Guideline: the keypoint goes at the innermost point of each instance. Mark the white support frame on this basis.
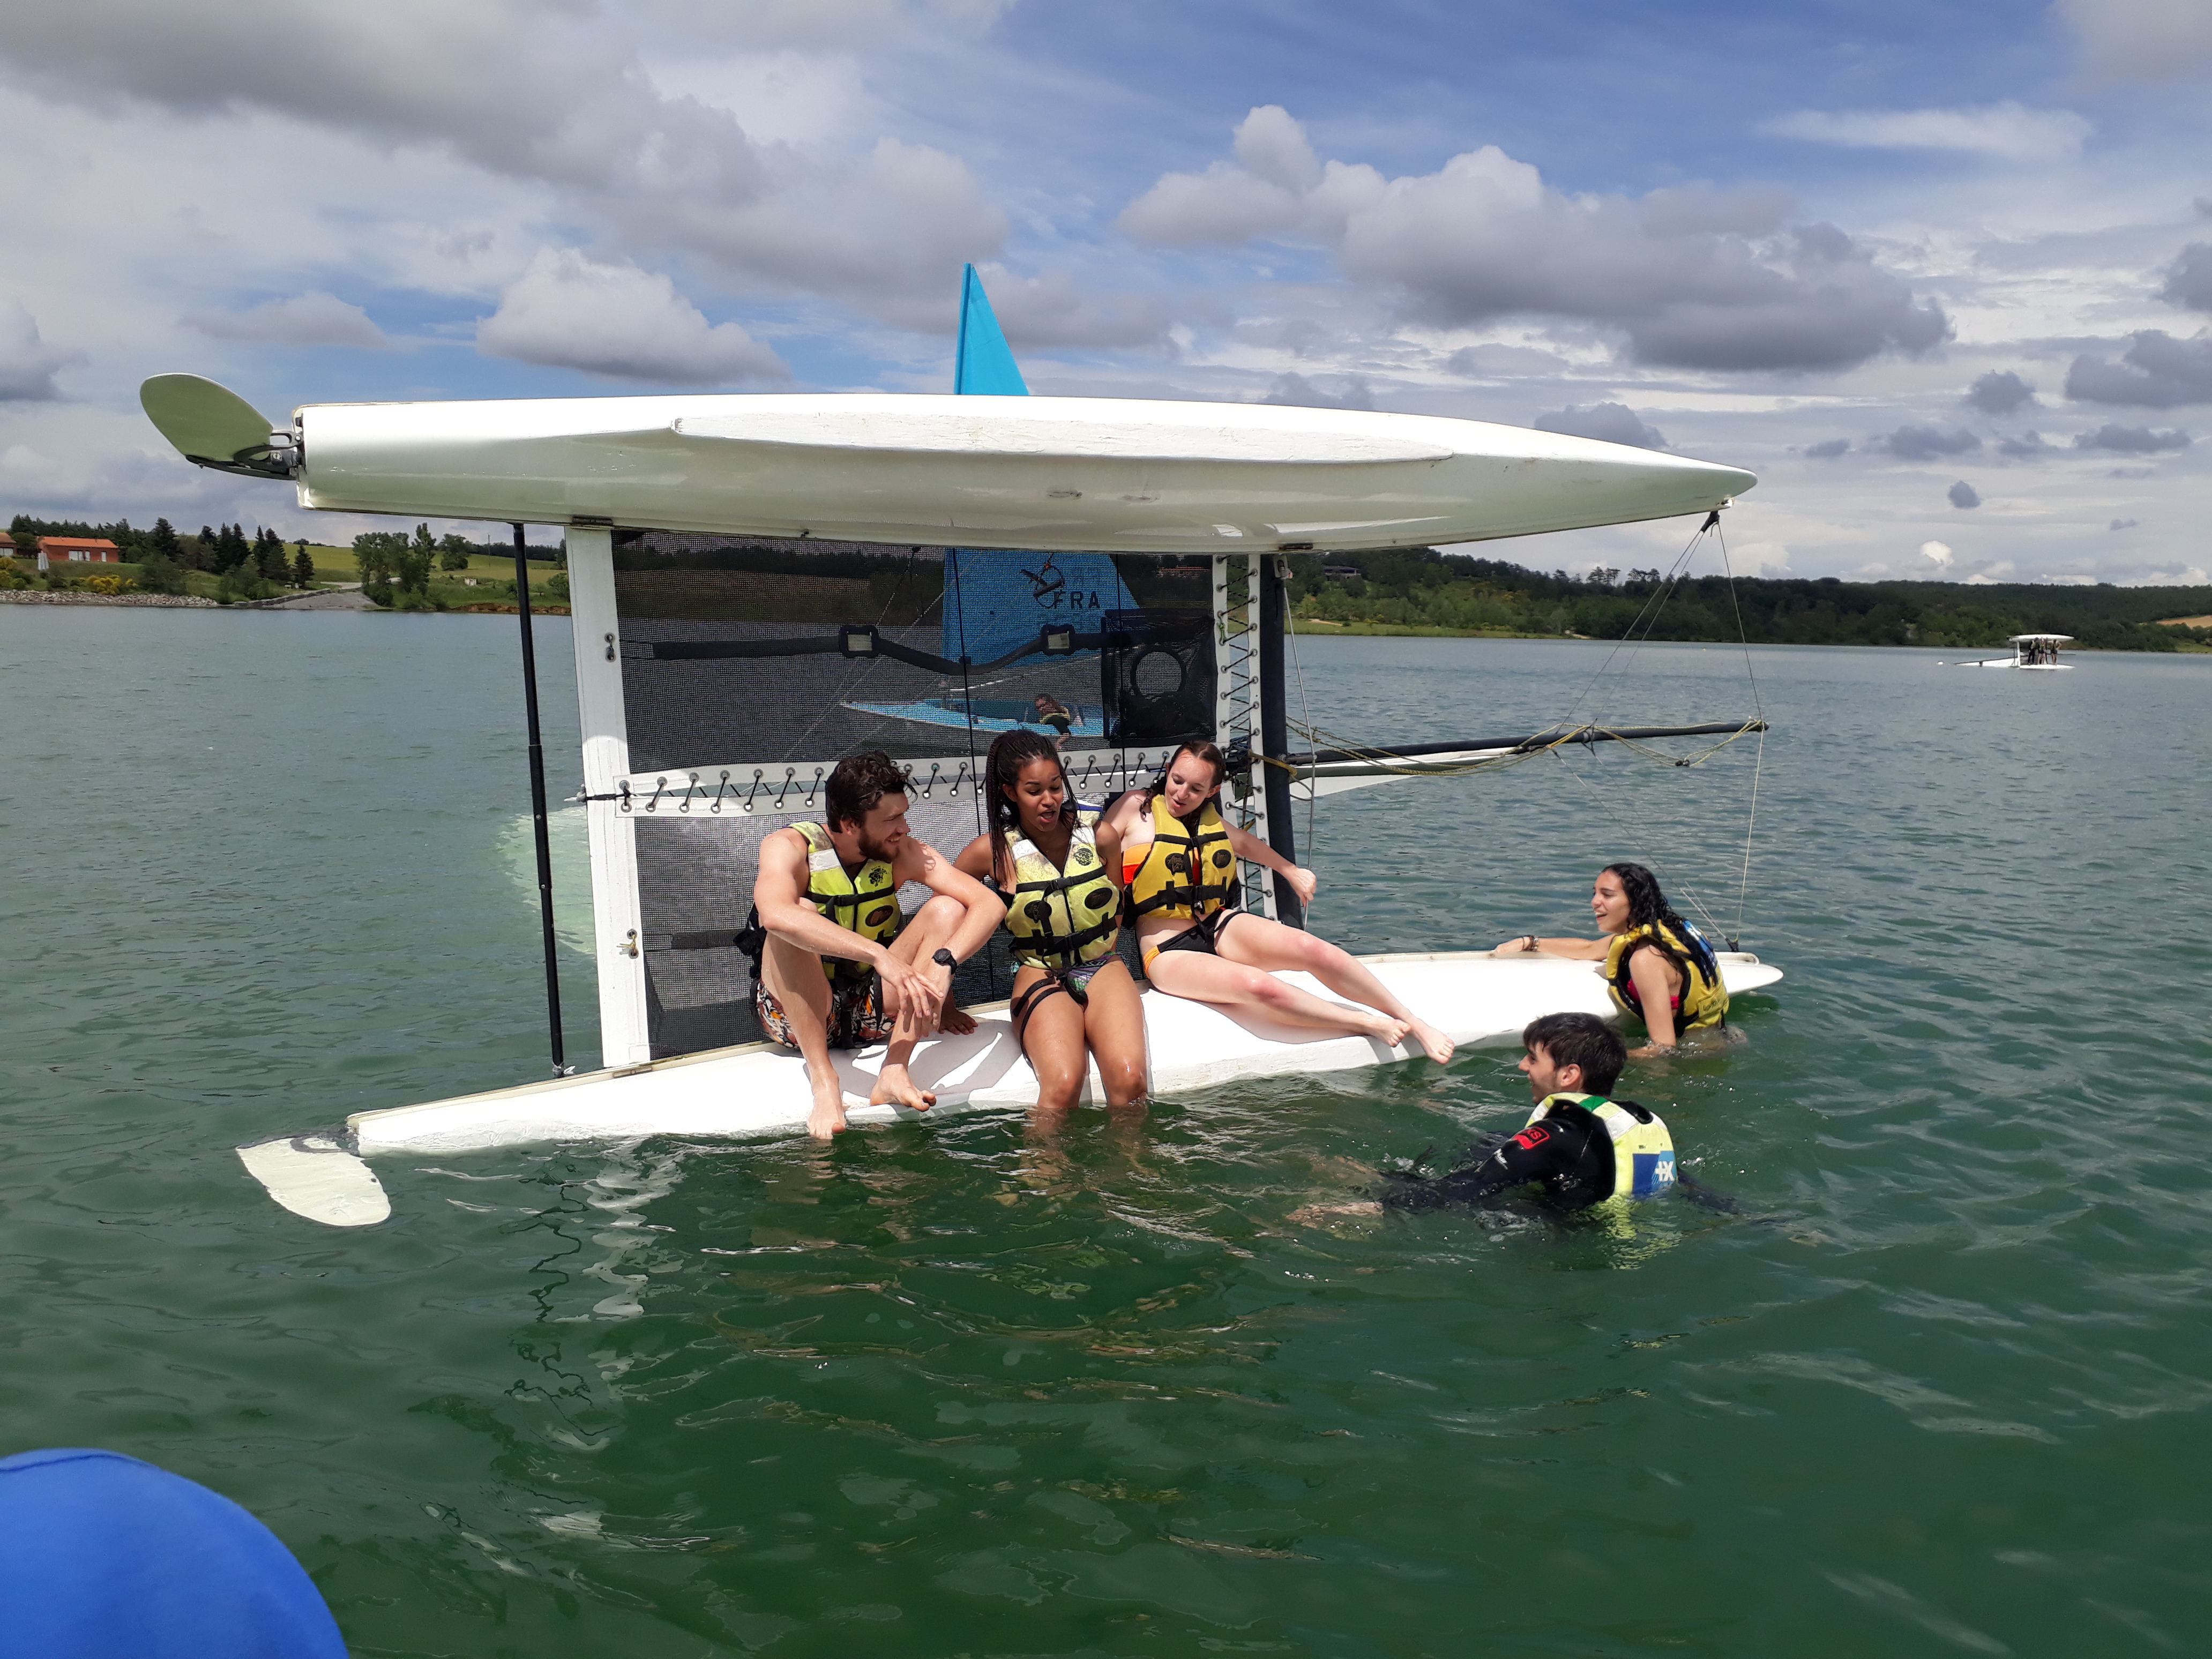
(1237, 707)
(617, 918)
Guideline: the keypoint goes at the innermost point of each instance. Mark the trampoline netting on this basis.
(749, 668)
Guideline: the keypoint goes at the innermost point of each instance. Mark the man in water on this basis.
(838, 966)
(1581, 1148)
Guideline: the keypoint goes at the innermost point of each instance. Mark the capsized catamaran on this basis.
(704, 732)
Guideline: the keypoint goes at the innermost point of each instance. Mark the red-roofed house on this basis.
(76, 550)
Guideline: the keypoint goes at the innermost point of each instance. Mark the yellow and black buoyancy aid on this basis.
(1643, 1151)
(1185, 873)
(1703, 1000)
(864, 902)
(1063, 916)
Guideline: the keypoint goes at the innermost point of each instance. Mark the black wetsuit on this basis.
(1570, 1153)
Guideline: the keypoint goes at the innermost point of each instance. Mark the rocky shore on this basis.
(171, 601)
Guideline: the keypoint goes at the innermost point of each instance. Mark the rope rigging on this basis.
(1555, 741)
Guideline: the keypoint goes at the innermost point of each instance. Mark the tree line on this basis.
(1424, 588)
(253, 566)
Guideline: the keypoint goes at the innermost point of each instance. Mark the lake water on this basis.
(1941, 1385)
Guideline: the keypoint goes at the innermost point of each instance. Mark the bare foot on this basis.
(1440, 1048)
(954, 1020)
(827, 1117)
(1392, 1032)
(895, 1088)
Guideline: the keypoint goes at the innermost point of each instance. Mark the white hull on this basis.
(1050, 474)
(758, 1090)
(2025, 667)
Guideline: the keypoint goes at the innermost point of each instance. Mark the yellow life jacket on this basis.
(1643, 1153)
(865, 901)
(1702, 1002)
(1060, 915)
(1185, 872)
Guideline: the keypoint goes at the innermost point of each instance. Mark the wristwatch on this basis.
(942, 957)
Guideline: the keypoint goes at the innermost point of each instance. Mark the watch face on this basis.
(942, 957)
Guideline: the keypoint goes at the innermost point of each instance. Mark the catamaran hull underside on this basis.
(1050, 474)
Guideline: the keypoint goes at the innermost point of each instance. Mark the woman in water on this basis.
(1657, 966)
(1054, 863)
(1179, 863)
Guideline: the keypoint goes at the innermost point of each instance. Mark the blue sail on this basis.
(995, 601)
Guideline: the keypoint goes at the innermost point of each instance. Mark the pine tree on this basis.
(303, 567)
(162, 538)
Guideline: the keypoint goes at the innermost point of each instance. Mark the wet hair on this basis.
(1203, 750)
(1012, 752)
(1582, 1040)
(1647, 904)
(858, 782)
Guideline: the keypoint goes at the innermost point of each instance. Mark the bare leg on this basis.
(1052, 1036)
(932, 926)
(794, 978)
(1113, 1025)
(1259, 943)
(1234, 985)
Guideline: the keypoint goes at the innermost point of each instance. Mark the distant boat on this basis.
(2029, 651)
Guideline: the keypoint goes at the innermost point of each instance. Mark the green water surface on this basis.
(947, 1388)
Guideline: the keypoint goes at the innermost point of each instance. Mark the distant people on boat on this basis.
(1579, 1146)
(1657, 967)
(1050, 711)
(1055, 863)
(1179, 863)
(837, 967)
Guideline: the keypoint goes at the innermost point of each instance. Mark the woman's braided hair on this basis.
(1011, 755)
(1647, 905)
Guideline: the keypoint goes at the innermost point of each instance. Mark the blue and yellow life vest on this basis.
(863, 902)
(1185, 871)
(1061, 916)
(1643, 1151)
(1704, 999)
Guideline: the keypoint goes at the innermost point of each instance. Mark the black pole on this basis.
(1275, 738)
(537, 803)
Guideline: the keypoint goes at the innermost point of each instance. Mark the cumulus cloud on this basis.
(572, 109)
(2189, 278)
(2009, 130)
(27, 364)
(2141, 40)
(1483, 361)
(2157, 372)
(2122, 524)
(569, 312)
(1923, 443)
(2131, 440)
(1828, 449)
(1692, 279)
(1964, 494)
(305, 320)
(1298, 392)
(2001, 392)
(1611, 424)
(1052, 311)
(2027, 446)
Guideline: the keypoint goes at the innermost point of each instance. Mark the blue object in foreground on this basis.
(103, 1556)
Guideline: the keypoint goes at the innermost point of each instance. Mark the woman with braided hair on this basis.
(1055, 863)
(1656, 964)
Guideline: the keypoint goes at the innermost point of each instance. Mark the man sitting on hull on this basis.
(838, 968)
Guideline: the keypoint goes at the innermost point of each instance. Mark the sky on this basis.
(1939, 273)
